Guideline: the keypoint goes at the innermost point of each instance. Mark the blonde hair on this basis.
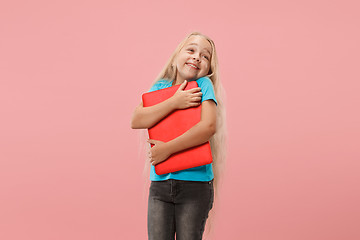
(218, 140)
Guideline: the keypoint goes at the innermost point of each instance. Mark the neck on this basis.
(178, 81)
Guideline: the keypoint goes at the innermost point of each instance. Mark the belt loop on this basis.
(172, 183)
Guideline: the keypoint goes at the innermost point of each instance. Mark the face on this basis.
(193, 60)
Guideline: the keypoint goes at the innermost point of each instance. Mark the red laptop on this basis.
(174, 125)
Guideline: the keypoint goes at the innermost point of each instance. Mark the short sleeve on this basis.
(160, 84)
(207, 89)
(154, 87)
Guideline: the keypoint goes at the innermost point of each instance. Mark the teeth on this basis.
(193, 65)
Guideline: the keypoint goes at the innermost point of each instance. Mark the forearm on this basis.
(197, 135)
(146, 117)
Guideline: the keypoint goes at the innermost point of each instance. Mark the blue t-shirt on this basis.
(201, 173)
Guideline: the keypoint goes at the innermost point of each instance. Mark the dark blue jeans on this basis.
(180, 207)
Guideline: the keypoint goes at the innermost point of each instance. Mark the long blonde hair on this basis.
(218, 140)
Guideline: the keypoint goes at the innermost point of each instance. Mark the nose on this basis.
(196, 57)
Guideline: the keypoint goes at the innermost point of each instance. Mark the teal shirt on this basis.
(202, 173)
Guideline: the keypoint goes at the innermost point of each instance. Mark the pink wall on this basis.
(71, 73)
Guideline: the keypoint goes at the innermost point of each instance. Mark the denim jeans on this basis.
(180, 207)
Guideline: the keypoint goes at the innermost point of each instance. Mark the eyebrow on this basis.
(197, 45)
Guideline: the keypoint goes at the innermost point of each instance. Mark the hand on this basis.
(187, 98)
(159, 152)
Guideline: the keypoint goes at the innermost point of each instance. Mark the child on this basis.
(180, 202)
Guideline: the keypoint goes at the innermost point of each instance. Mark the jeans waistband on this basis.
(184, 181)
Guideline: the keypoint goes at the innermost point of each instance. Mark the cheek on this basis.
(207, 68)
(179, 66)
(181, 62)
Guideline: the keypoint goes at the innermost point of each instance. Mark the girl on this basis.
(180, 202)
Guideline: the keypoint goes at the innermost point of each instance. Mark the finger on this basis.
(151, 141)
(194, 90)
(196, 99)
(182, 86)
(195, 104)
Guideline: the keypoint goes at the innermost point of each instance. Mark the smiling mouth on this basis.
(192, 66)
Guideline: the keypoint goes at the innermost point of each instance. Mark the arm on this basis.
(198, 134)
(146, 117)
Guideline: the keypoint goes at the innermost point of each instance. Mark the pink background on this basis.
(72, 72)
